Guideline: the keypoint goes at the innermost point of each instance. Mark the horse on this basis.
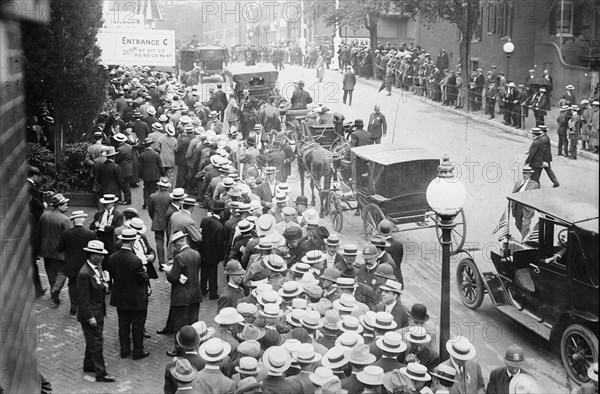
(315, 159)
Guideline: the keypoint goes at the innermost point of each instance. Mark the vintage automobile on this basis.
(261, 82)
(206, 61)
(548, 280)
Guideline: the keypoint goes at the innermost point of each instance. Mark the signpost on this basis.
(133, 47)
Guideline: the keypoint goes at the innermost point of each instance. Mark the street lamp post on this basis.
(446, 195)
(346, 34)
(508, 48)
(336, 38)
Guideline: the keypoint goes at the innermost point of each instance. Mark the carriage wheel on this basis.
(335, 211)
(372, 215)
(579, 350)
(459, 232)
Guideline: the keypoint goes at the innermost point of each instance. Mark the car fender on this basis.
(476, 255)
(574, 316)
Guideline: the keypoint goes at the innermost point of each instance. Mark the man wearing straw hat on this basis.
(158, 204)
(468, 372)
(72, 243)
(359, 357)
(417, 373)
(188, 339)
(52, 224)
(212, 248)
(306, 358)
(108, 175)
(151, 170)
(106, 221)
(522, 214)
(278, 360)
(129, 295)
(92, 287)
(418, 350)
(211, 380)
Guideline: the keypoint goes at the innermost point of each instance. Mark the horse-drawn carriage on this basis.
(388, 182)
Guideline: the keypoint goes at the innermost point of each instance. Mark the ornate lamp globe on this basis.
(508, 47)
(446, 194)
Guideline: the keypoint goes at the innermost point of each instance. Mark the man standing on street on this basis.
(106, 221)
(157, 209)
(92, 287)
(36, 209)
(212, 248)
(359, 136)
(129, 295)
(184, 276)
(348, 82)
(377, 125)
(72, 243)
(220, 101)
(151, 169)
(109, 175)
(547, 156)
(500, 378)
(535, 155)
(52, 224)
(300, 98)
(124, 159)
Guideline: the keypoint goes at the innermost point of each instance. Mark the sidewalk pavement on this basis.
(479, 116)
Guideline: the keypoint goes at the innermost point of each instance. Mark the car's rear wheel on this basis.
(579, 350)
(469, 283)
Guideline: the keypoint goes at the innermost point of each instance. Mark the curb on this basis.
(489, 122)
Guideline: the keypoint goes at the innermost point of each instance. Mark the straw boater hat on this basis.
(345, 283)
(444, 372)
(312, 320)
(392, 285)
(128, 234)
(265, 224)
(178, 194)
(313, 257)
(138, 225)
(78, 214)
(321, 376)
(277, 359)
(110, 152)
(332, 240)
(178, 235)
(214, 350)
(350, 324)
(204, 332)
(290, 289)
(384, 321)
(360, 355)
(306, 354)
(267, 297)
(294, 318)
(335, 358)
(417, 335)
(120, 137)
(247, 366)
(416, 372)
(391, 342)
(350, 250)
(461, 348)
(95, 246)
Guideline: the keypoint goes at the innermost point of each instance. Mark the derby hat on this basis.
(306, 354)
(417, 335)
(312, 320)
(372, 375)
(360, 355)
(290, 289)
(392, 285)
(183, 371)
(218, 206)
(384, 321)
(178, 194)
(110, 152)
(321, 376)
(269, 297)
(313, 257)
(275, 263)
(214, 350)
(292, 233)
(138, 225)
(514, 356)
(203, 331)
(445, 372)
(265, 224)
(302, 200)
(78, 214)
(335, 358)
(109, 199)
(416, 371)
(380, 242)
(95, 246)
(128, 234)
(178, 235)
(247, 366)
(359, 122)
(391, 342)
(234, 267)
(228, 316)
(461, 348)
(294, 318)
(350, 324)
(277, 359)
(188, 338)
(251, 333)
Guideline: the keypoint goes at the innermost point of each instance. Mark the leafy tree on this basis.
(64, 74)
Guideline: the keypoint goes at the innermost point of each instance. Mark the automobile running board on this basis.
(496, 289)
(528, 320)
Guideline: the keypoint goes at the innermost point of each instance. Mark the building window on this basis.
(491, 18)
(505, 19)
(562, 26)
(477, 31)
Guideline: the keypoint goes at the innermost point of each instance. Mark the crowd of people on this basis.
(302, 312)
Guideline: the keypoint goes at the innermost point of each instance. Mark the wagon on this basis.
(390, 182)
(259, 81)
(547, 279)
(208, 59)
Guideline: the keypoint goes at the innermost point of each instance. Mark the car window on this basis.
(559, 245)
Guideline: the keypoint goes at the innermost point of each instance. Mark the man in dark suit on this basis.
(500, 378)
(212, 248)
(106, 221)
(359, 136)
(478, 89)
(390, 302)
(541, 105)
(124, 159)
(395, 248)
(469, 379)
(377, 126)
(129, 295)
(348, 82)
(183, 221)
(151, 169)
(183, 143)
(188, 339)
(184, 276)
(92, 287)
(300, 98)
(536, 154)
(220, 101)
(72, 243)
(140, 128)
(108, 175)
(158, 204)
(36, 209)
(547, 156)
(417, 339)
(233, 292)
(523, 214)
